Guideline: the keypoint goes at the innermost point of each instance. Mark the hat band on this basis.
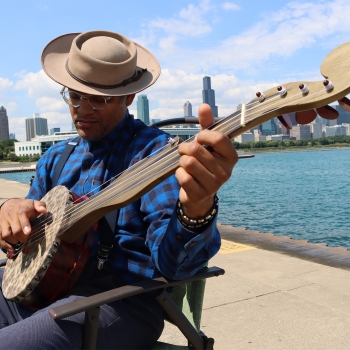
(135, 77)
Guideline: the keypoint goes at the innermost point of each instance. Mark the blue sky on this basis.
(245, 46)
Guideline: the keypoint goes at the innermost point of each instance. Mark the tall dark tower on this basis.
(209, 95)
(4, 124)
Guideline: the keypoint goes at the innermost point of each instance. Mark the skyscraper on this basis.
(143, 108)
(40, 125)
(36, 126)
(268, 127)
(4, 124)
(188, 109)
(209, 95)
(30, 130)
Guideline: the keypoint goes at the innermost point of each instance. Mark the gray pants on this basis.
(132, 323)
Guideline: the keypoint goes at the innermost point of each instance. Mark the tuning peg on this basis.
(305, 117)
(285, 121)
(282, 91)
(328, 85)
(303, 88)
(327, 112)
(344, 103)
(260, 96)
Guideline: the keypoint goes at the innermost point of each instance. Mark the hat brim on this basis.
(54, 58)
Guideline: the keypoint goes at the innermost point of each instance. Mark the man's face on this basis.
(94, 125)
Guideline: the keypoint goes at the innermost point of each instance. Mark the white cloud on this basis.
(5, 84)
(17, 126)
(11, 107)
(38, 85)
(280, 33)
(50, 104)
(189, 22)
(56, 119)
(230, 6)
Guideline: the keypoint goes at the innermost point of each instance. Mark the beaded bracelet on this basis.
(196, 223)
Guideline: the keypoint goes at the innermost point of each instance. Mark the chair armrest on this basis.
(126, 291)
(3, 262)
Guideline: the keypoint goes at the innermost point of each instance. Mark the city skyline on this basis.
(269, 44)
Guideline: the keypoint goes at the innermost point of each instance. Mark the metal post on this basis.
(90, 328)
(181, 321)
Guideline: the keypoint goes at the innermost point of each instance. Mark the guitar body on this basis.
(47, 267)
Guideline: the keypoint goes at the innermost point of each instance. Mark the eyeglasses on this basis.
(74, 98)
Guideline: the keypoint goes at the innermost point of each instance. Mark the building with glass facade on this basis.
(36, 126)
(143, 108)
(188, 109)
(4, 124)
(208, 95)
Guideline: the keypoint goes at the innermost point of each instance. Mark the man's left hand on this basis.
(202, 172)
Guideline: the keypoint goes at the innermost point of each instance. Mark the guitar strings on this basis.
(87, 203)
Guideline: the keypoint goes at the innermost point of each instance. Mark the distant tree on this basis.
(258, 144)
(272, 143)
(36, 157)
(323, 141)
(236, 145)
(12, 157)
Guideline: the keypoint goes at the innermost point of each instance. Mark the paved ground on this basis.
(277, 293)
(11, 189)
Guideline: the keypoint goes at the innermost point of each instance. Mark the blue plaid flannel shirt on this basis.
(149, 242)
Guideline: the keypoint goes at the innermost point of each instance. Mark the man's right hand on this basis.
(15, 216)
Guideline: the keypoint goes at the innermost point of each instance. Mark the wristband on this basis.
(196, 223)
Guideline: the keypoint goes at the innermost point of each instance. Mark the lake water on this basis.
(302, 194)
(24, 176)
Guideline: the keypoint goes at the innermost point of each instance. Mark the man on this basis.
(101, 72)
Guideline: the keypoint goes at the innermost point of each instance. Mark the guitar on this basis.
(48, 265)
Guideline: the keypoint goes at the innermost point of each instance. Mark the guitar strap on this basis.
(107, 224)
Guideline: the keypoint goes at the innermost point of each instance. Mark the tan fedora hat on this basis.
(99, 63)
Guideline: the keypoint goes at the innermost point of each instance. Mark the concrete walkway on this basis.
(277, 293)
(12, 189)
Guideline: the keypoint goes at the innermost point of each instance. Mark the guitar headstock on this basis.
(301, 96)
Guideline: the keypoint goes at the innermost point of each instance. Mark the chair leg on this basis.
(185, 326)
(90, 328)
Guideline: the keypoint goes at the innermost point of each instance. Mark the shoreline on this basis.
(294, 149)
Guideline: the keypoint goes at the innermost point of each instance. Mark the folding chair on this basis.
(183, 307)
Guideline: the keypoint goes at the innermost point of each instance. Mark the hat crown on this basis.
(100, 62)
(105, 49)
